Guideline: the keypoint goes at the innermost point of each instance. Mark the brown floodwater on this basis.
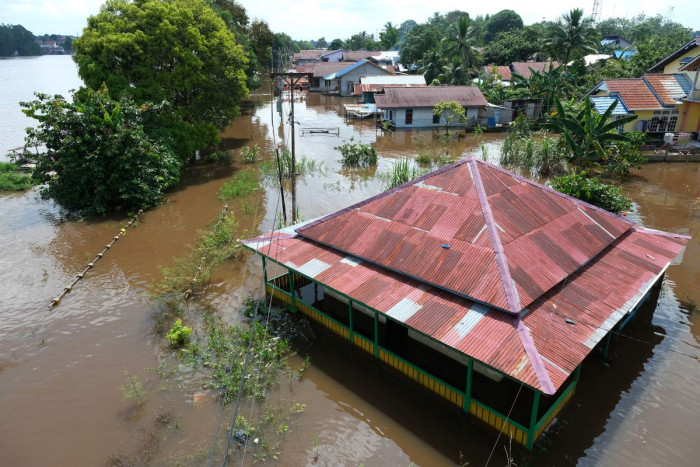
(61, 370)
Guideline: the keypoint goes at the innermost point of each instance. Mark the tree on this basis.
(361, 41)
(432, 66)
(336, 44)
(573, 36)
(105, 154)
(179, 51)
(450, 112)
(261, 40)
(454, 73)
(503, 21)
(420, 40)
(587, 134)
(233, 14)
(514, 46)
(15, 39)
(459, 43)
(321, 43)
(283, 48)
(389, 36)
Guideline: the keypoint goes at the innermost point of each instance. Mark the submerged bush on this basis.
(250, 155)
(357, 154)
(242, 184)
(592, 191)
(179, 335)
(15, 181)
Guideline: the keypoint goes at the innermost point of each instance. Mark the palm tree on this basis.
(454, 74)
(432, 66)
(574, 36)
(459, 43)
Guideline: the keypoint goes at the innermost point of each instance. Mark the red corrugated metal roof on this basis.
(523, 68)
(467, 96)
(566, 259)
(543, 236)
(596, 297)
(308, 55)
(502, 71)
(321, 69)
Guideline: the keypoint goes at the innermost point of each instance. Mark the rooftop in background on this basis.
(467, 96)
(520, 277)
(523, 68)
(634, 92)
(603, 103)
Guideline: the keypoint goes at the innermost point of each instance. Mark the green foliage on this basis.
(401, 172)
(361, 41)
(420, 40)
(8, 167)
(336, 44)
(219, 156)
(451, 112)
(241, 184)
(357, 154)
(15, 181)
(573, 36)
(179, 335)
(101, 155)
(389, 37)
(539, 154)
(133, 388)
(250, 155)
(624, 156)
(302, 166)
(15, 38)
(514, 46)
(501, 22)
(179, 51)
(592, 191)
(586, 134)
(459, 44)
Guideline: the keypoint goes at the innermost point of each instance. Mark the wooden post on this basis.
(293, 174)
(350, 320)
(533, 420)
(468, 393)
(264, 263)
(376, 335)
(291, 287)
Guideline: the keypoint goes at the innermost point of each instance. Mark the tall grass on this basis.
(357, 154)
(402, 172)
(242, 184)
(12, 180)
(533, 154)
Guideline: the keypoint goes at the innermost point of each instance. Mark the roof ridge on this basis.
(501, 260)
(533, 355)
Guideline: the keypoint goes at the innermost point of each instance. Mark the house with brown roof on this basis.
(318, 70)
(501, 73)
(686, 60)
(488, 289)
(369, 86)
(410, 108)
(307, 56)
(656, 99)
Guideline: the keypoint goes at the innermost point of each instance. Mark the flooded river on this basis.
(61, 370)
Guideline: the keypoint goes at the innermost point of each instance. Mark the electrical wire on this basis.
(503, 425)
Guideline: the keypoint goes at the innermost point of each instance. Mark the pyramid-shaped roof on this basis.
(475, 230)
(513, 244)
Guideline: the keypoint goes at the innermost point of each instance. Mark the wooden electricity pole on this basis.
(292, 78)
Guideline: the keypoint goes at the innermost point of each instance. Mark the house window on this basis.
(391, 115)
(436, 118)
(409, 116)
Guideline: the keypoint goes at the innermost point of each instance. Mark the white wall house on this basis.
(410, 108)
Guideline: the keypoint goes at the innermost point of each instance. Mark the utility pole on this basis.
(292, 78)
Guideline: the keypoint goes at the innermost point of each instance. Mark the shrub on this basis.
(242, 184)
(357, 154)
(219, 156)
(250, 155)
(592, 191)
(15, 181)
(179, 335)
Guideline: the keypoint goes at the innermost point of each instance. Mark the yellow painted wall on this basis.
(692, 119)
(674, 66)
(641, 115)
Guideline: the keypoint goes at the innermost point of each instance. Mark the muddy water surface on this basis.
(60, 371)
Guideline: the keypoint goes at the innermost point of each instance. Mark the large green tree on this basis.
(573, 36)
(420, 40)
(503, 21)
(389, 37)
(101, 154)
(514, 46)
(15, 38)
(175, 50)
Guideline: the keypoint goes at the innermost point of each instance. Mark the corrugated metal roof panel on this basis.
(540, 348)
(523, 68)
(430, 96)
(671, 89)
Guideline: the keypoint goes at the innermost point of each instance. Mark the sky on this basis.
(313, 19)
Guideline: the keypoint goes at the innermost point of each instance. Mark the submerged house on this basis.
(343, 82)
(486, 288)
(370, 86)
(410, 108)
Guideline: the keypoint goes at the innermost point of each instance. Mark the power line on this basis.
(504, 424)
